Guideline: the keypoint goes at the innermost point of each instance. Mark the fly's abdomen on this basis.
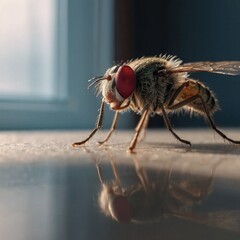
(197, 105)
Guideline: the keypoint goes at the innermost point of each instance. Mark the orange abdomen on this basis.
(193, 88)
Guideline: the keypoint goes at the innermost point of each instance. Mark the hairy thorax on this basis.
(154, 85)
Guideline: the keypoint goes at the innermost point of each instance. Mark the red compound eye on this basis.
(121, 209)
(125, 81)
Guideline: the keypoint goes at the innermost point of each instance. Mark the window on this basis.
(48, 51)
(27, 49)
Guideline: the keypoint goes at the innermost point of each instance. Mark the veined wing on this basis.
(225, 67)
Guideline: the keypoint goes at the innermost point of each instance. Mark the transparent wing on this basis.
(228, 219)
(225, 67)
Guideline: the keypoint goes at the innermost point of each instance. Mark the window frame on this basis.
(80, 23)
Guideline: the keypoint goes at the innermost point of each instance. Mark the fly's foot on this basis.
(185, 142)
(77, 144)
(100, 143)
(131, 150)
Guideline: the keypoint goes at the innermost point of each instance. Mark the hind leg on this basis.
(169, 127)
(207, 114)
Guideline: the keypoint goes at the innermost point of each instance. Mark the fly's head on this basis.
(115, 204)
(117, 86)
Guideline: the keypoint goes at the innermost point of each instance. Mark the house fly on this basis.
(158, 85)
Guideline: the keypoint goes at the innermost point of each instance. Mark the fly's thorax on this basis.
(167, 61)
(154, 84)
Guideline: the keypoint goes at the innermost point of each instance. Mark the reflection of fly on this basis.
(163, 192)
(158, 85)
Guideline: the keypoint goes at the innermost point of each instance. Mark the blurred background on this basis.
(50, 48)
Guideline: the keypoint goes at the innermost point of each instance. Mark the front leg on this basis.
(144, 127)
(98, 126)
(113, 127)
(138, 130)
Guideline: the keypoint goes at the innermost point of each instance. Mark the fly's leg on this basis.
(138, 130)
(142, 174)
(99, 171)
(170, 105)
(113, 127)
(209, 118)
(98, 126)
(213, 126)
(143, 131)
(177, 92)
(169, 127)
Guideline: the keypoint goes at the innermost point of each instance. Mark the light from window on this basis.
(27, 50)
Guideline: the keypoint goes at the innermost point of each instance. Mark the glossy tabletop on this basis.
(50, 190)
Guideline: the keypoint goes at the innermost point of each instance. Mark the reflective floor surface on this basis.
(49, 190)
